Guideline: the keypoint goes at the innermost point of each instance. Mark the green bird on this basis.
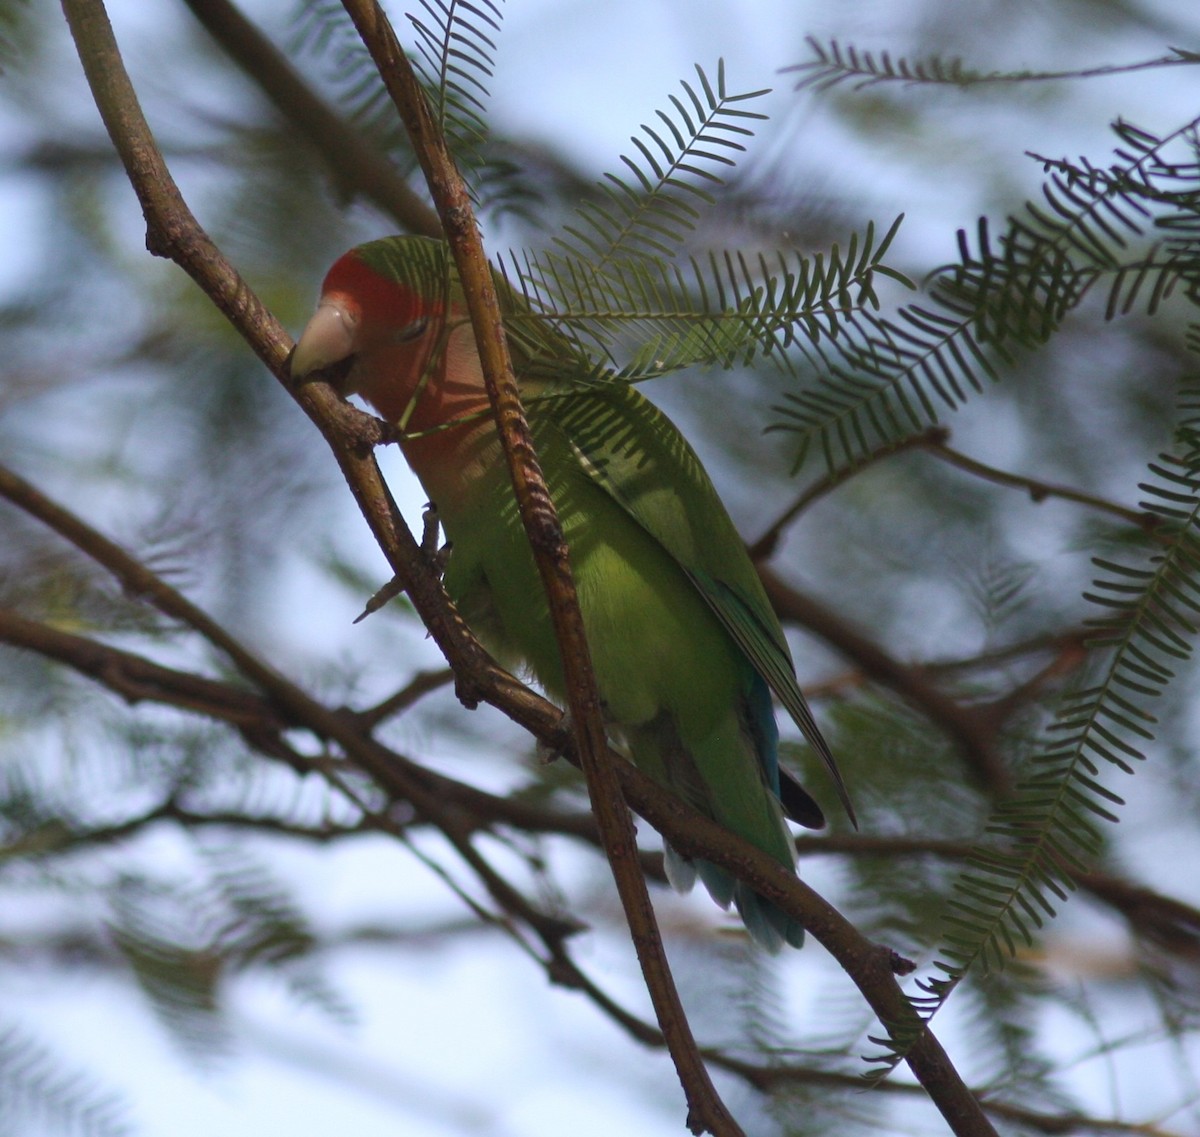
(686, 648)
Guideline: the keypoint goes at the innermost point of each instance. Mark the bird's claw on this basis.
(550, 750)
(389, 591)
(437, 557)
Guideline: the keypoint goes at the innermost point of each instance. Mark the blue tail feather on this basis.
(769, 926)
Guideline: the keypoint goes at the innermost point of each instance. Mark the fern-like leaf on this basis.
(324, 33)
(832, 64)
(1050, 828)
(618, 282)
(40, 1095)
(891, 375)
(680, 160)
(649, 317)
(258, 925)
(455, 46)
(179, 979)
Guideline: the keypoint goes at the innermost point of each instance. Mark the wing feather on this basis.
(635, 454)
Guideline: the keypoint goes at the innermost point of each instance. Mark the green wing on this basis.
(633, 451)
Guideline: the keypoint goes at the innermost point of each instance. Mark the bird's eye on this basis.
(412, 331)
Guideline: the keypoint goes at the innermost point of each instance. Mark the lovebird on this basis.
(686, 648)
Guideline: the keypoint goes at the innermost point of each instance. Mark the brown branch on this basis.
(868, 965)
(706, 1111)
(1038, 490)
(420, 685)
(58, 838)
(765, 1078)
(263, 720)
(1168, 922)
(173, 232)
(353, 164)
(973, 730)
(135, 678)
(134, 578)
(1069, 641)
(764, 548)
(935, 441)
(404, 780)
(77, 943)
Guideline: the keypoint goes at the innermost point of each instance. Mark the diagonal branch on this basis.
(353, 164)
(972, 730)
(1164, 921)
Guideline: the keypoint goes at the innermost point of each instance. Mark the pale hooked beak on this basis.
(328, 338)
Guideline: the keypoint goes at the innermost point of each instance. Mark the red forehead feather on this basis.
(379, 300)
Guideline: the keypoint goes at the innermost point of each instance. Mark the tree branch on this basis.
(1165, 921)
(353, 164)
(1037, 489)
(972, 730)
(1171, 924)
(935, 441)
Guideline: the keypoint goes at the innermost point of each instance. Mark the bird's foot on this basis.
(437, 557)
(389, 591)
(551, 749)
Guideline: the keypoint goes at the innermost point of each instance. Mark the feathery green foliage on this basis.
(650, 317)
(10, 28)
(618, 280)
(41, 1096)
(652, 216)
(454, 57)
(888, 376)
(1048, 830)
(182, 943)
(455, 49)
(324, 31)
(832, 65)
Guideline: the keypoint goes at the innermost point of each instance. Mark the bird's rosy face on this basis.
(398, 352)
(360, 313)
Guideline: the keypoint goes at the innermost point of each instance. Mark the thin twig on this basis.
(418, 686)
(935, 441)
(764, 548)
(1038, 490)
(1167, 921)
